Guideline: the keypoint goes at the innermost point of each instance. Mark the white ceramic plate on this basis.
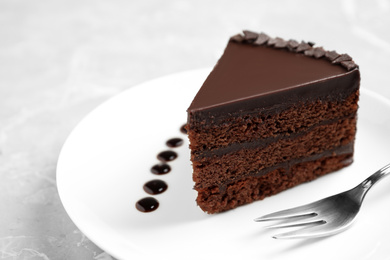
(107, 159)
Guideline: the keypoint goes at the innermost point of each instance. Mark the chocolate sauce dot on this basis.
(174, 142)
(147, 204)
(155, 187)
(183, 129)
(167, 156)
(160, 169)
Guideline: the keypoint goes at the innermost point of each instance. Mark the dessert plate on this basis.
(107, 158)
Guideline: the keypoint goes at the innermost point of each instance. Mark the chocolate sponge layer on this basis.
(276, 154)
(216, 199)
(216, 170)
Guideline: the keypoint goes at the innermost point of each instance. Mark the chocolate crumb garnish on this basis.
(237, 38)
(272, 41)
(250, 37)
(342, 57)
(280, 43)
(309, 52)
(319, 52)
(331, 55)
(303, 46)
(261, 39)
(349, 64)
(292, 44)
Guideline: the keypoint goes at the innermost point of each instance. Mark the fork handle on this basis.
(374, 178)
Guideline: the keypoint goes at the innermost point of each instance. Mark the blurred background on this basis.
(60, 59)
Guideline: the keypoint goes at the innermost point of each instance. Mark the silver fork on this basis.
(327, 216)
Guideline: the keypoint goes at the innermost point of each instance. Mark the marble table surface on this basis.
(60, 59)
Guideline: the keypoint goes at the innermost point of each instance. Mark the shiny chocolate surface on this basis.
(249, 75)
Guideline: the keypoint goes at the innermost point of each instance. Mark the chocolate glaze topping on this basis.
(259, 71)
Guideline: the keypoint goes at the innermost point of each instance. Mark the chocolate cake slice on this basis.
(272, 114)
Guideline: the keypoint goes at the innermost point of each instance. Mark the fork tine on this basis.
(305, 210)
(299, 223)
(318, 229)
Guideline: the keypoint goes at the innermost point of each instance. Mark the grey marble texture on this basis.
(60, 59)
